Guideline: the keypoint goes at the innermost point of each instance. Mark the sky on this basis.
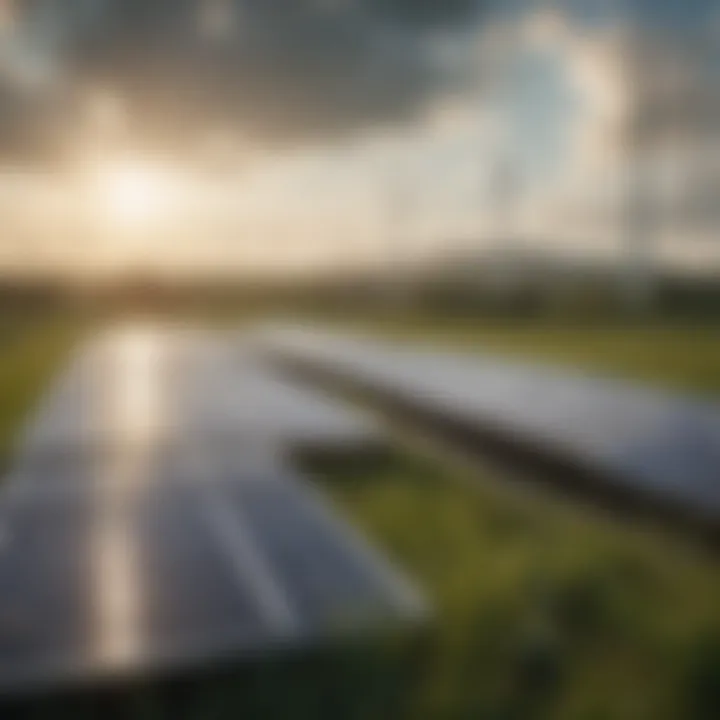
(235, 136)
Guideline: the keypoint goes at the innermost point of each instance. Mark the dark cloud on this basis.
(425, 12)
(278, 70)
(289, 70)
(285, 68)
(34, 127)
(674, 80)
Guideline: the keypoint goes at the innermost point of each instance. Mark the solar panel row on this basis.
(154, 520)
(658, 446)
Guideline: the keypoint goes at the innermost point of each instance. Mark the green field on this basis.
(31, 352)
(542, 611)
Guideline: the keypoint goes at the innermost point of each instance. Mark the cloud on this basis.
(645, 96)
(267, 70)
(34, 128)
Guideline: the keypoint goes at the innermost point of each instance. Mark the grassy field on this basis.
(540, 614)
(544, 614)
(31, 350)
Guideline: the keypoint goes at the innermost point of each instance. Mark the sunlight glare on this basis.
(134, 194)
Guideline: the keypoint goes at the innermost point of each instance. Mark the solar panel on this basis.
(658, 445)
(131, 544)
(135, 388)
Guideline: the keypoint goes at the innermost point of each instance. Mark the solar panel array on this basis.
(660, 446)
(154, 519)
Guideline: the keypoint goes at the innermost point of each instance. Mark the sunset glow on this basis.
(134, 195)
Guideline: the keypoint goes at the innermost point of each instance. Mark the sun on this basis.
(134, 195)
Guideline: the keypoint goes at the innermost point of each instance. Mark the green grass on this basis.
(686, 357)
(29, 359)
(542, 614)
